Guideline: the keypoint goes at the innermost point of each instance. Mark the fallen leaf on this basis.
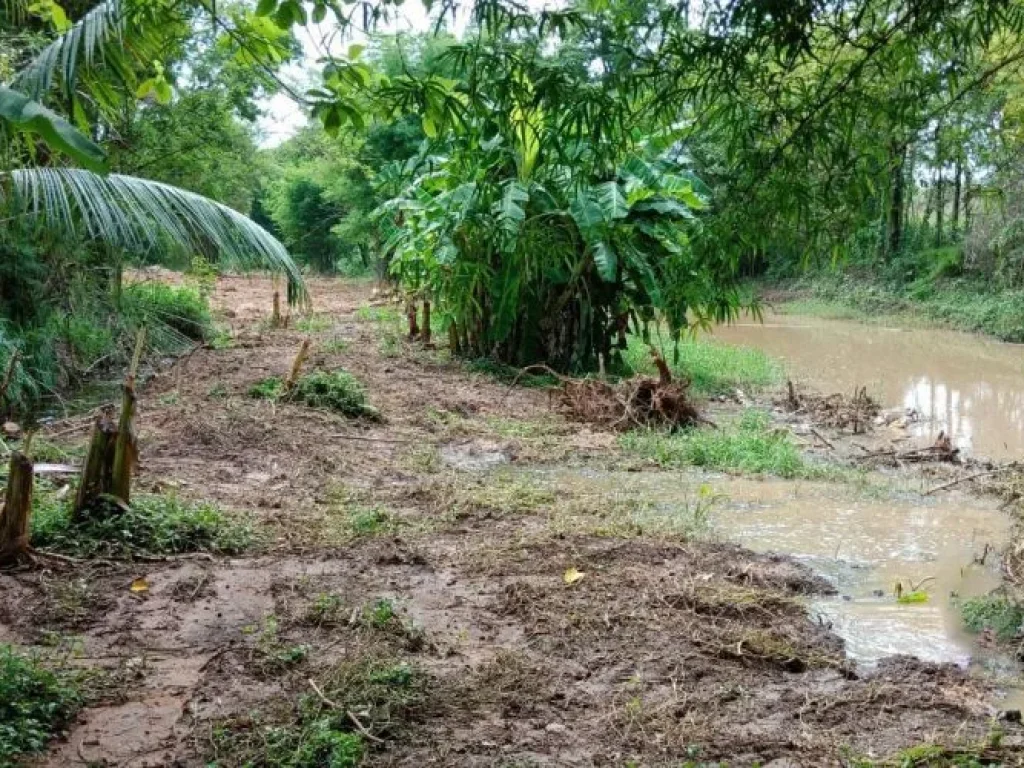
(571, 576)
(139, 585)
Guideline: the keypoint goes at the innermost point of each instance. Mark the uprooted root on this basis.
(641, 401)
(837, 410)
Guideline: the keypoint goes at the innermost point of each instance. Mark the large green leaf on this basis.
(511, 212)
(613, 202)
(30, 116)
(141, 215)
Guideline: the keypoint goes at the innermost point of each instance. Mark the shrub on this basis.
(34, 703)
(151, 525)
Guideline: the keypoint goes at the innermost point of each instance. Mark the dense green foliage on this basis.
(34, 703)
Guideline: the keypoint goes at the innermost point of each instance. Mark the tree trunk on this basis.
(967, 199)
(425, 331)
(97, 473)
(453, 340)
(957, 188)
(939, 201)
(896, 201)
(275, 318)
(14, 518)
(410, 313)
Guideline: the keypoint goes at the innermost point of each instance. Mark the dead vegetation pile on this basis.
(836, 411)
(641, 401)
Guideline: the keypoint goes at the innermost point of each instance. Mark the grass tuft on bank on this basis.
(750, 445)
(713, 368)
(152, 525)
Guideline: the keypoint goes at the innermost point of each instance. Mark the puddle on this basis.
(863, 545)
(966, 385)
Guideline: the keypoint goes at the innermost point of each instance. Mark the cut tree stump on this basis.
(300, 358)
(14, 518)
(97, 473)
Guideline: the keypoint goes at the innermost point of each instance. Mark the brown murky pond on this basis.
(969, 386)
(862, 542)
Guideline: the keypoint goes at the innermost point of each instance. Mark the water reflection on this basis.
(969, 387)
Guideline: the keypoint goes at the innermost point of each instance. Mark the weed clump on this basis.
(159, 525)
(998, 614)
(35, 703)
(337, 391)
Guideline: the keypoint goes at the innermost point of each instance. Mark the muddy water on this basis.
(971, 387)
(863, 545)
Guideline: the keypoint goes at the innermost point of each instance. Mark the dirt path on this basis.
(426, 604)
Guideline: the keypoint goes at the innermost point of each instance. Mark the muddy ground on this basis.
(396, 586)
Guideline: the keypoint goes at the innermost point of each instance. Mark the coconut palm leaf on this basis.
(98, 33)
(138, 215)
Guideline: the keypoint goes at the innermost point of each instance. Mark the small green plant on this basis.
(151, 525)
(35, 703)
(221, 338)
(369, 521)
(218, 390)
(993, 612)
(267, 389)
(381, 613)
(750, 446)
(271, 653)
(326, 610)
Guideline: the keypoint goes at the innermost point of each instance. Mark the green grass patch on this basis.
(751, 446)
(158, 306)
(158, 525)
(337, 391)
(713, 368)
(35, 703)
(999, 614)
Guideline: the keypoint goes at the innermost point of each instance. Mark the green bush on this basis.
(750, 446)
(1002, 616)
(151, 525)
(34, 704)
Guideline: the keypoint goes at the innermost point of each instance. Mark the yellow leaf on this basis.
(571, 576)
(140, 585)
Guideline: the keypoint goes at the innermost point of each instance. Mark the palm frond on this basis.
(139, 215)
(96, 34)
